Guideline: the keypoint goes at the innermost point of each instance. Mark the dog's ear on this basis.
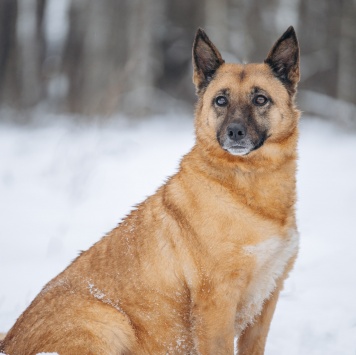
(206, 60)
(283, 59)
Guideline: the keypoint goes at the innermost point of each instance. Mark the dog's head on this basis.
(243, 107)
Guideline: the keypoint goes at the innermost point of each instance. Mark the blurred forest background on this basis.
(101, 57)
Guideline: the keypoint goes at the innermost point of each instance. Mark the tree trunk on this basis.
(9, 90)
(182, 19)
(346, 71)
(95, 53)
(319, 37)
(30, 52)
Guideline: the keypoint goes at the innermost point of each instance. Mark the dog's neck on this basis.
(267, 175)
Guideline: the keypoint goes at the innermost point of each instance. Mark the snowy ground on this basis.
(63, 186)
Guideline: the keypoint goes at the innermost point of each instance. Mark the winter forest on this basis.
(101, 57)
(96, 111)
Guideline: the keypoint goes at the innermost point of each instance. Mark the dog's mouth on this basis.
(238, 150)
(243, 148)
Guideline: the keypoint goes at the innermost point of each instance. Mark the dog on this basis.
(198, 266)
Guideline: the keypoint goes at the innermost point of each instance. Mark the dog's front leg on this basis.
(253, 339)
(213, 325)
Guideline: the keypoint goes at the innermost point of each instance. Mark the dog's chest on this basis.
(270, 259)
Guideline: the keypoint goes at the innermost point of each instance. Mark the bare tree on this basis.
(30, 52)
(346, 71)
(319, 39)
(8, 69)
(182, 18)
(95, 51)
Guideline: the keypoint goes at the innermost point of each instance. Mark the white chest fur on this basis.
(271, 258)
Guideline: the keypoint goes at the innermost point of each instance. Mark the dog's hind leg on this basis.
(83, 327)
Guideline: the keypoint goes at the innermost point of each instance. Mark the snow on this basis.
(64, 185)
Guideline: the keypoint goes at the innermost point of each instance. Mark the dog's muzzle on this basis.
(235, 140)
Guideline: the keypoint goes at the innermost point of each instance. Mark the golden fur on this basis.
(201, 261)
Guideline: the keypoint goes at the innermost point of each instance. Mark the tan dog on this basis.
(201, 261)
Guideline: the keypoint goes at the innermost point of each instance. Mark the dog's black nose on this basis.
(236, 131)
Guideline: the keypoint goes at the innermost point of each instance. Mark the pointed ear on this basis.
(283, 59)
(206, 60)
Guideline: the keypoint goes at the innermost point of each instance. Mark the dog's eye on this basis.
(260, 100)
(221, 101)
